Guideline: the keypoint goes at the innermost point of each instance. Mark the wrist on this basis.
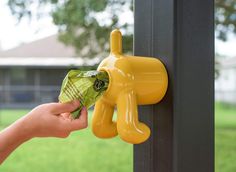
(25, 132)
(14, 135)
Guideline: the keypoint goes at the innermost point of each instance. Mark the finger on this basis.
(66, 115)
(81, 122)
(59, 108)
(63, 134)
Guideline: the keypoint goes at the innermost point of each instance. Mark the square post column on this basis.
(181, 34)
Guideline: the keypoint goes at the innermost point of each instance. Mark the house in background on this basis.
(225, 84)
(32, 73)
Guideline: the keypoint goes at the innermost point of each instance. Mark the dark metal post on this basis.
(181, 34)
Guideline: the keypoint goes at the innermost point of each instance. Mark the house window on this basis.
(17, 76)
(2, 77)
(1, 86)
(22, 76)
(52, 77)
(21, 85)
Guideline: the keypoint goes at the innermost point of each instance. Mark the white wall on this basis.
(225, 86)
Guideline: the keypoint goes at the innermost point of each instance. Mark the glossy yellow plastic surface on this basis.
(133, 81)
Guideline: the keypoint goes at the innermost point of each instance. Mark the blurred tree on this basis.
(225, 18)
(84, 24)
(225, 22)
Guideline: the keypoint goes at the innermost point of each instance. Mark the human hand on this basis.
(53, 120)
(47, 120)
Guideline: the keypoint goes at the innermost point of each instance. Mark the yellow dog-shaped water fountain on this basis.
(133, 81)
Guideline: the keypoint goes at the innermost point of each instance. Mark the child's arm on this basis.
(47, 120)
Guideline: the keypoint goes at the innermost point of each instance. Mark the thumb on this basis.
(81, 122)
(58, 108)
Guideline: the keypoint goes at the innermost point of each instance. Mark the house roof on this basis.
(47, 61)
(46, 52)
(46, 47)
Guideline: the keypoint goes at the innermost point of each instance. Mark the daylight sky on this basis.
(13, 34)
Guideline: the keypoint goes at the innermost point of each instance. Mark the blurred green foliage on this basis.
(225, 18)
(84, 24)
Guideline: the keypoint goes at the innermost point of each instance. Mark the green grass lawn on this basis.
(83, 152)
(225, 138)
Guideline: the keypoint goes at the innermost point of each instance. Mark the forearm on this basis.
(12, 137)
(7, 152)
(47, 120)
